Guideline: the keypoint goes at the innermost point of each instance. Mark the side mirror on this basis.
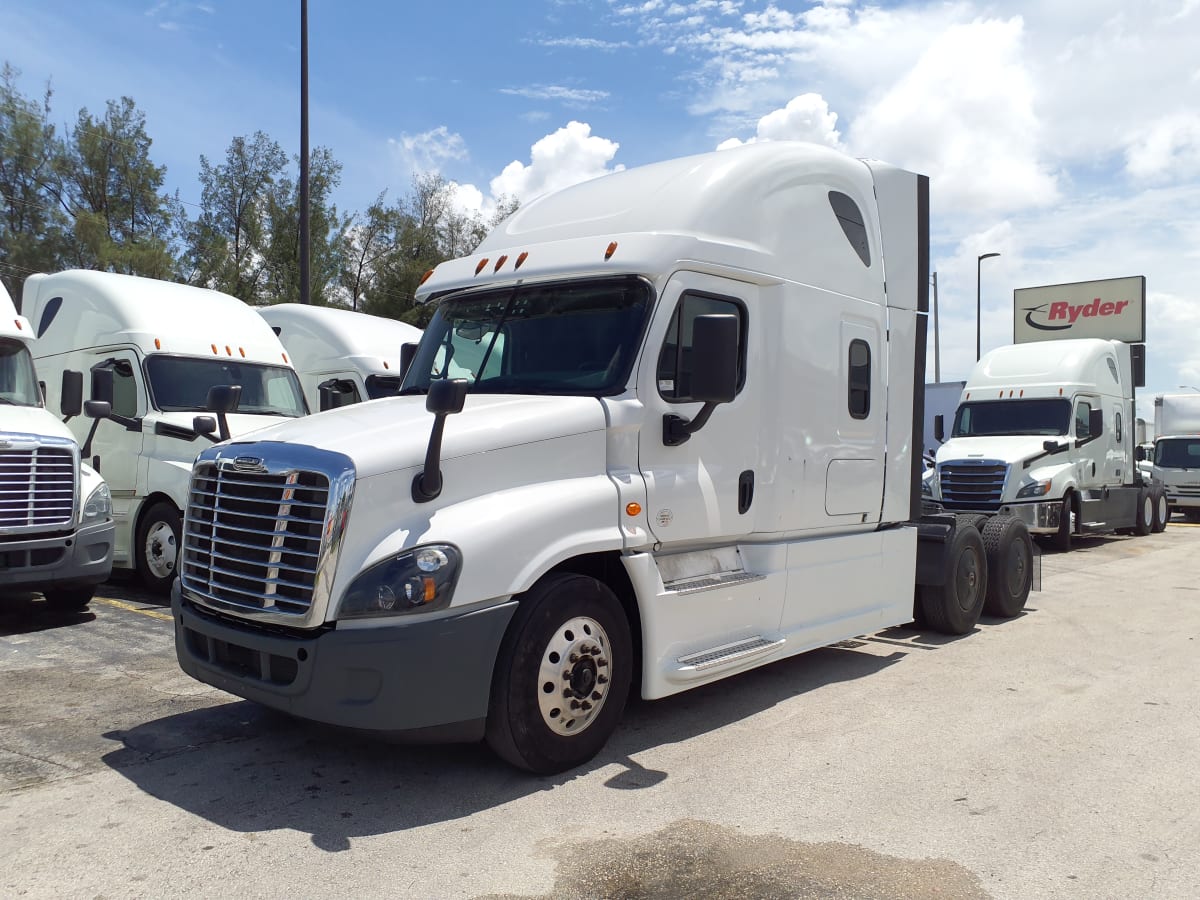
(222, 399)
(714, 374)
(939, 428)
(1095, 424)
(102, 384)
(97, 409)
(71, 403)
(205, 425)
(336, 393)
(445, 398)
(1139, 453)
(408, 352)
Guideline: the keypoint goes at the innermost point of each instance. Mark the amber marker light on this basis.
(633, 509)
(479, 268)
(520, 259)
(157, 344)
(228, 352)
(425, 277)
(17, 322)
(612, 248)
(501, 261)
(214, 346)
(242, 350)
(284, 355)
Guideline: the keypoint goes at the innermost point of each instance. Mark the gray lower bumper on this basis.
(418, 679)
(1041, 517)
(80, 559)
(1183, 501)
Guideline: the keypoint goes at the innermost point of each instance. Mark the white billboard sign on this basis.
(1114, 308)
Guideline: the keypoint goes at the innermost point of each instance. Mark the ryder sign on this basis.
(1114, 308)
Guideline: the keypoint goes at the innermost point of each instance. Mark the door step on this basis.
(712, 582)
(727, 653)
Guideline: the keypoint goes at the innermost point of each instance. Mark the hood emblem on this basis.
(249, 464)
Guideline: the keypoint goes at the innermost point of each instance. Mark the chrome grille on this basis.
(972, 485)
(37, 487)
(253, 539)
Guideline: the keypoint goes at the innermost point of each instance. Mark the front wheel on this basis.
(955, 606)
(562, 675)
(1062, 538)
(1145, 514)
(1162, 512)
(158, 546)
(69, 599)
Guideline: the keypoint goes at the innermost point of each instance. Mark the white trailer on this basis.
(154, 351)
(1046, 432)
(342, 356)
(1177, 451)
(56, 527)
(687, 444)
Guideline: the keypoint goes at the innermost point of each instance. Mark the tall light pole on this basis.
(305, 247)
(978, 306)
(937, 350)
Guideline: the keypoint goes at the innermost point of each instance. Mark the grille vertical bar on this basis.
(37, 487)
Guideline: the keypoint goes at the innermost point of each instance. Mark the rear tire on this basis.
(955, 607)
(1162, 511)
(1010, 566)
(69, 599)
(1145, 513)
(562, 675)
(158, 546)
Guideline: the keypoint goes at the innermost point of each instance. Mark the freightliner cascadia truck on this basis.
(664, 427)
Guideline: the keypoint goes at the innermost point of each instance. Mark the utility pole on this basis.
(305, 265)
(937, 341)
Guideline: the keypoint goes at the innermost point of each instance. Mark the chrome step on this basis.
(698, 583)
(707, 659)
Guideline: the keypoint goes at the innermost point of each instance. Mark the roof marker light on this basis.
(385, 364)
(520, 259)
(18, 324)
(612, 248)
(425, 277)
(242, 350)
(479, 268)
(501, 261)
(214, 346)
(157, 344)
(228, 352)
(285, 359)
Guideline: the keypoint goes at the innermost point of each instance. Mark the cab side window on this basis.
(1083, 412)
(114, 380)
(676, 361)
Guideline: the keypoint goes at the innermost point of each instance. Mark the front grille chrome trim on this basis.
(259, 545)
(973, 484)
(39, 484)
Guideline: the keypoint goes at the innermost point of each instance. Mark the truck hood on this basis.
(1001, 448)
(392, 434)
(32, 420)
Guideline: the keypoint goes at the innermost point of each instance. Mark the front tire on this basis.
(1162, 511)
(69, 599)
(1145, 515)
(955, 607)
(1062, 538)
(562, 675)
(158, 546)
(1010, 566)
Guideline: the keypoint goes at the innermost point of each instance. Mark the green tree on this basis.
(32, 225)
(122, 220)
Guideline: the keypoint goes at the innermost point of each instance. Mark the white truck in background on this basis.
(56, 527)
(160, 355)
(1045, 432)
(688, 445)
(341, 356)
(1177, 451)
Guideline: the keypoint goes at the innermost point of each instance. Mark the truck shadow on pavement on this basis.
(249, 769)
(27, 614)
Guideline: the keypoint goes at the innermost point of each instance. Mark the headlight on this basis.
(417, 580)
(99, 504)
(1034, 489)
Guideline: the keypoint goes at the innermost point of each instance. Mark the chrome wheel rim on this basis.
(574, 676)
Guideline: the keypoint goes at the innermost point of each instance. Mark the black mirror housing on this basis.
(71, 399)
(102, 384)
(715, 352)
(446, 396)
(1095, 423)
(223, 398)
(204, 424)
(939, 428)
(408, 352)
(97, 409)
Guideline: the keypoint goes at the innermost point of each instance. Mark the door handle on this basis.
(745, 491)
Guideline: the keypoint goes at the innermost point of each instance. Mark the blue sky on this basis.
(1065, 136)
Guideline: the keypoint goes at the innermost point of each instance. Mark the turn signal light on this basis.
(633, 509)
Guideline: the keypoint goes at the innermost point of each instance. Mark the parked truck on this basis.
(56, 527)
(688, 443)
(1177, 451)
(155, 351)
(342, 356)
(1045, 432)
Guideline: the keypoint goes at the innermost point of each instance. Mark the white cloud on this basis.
(430, 150)
(566, 95)
(568, 156)
(1169, 150)
(805, 118)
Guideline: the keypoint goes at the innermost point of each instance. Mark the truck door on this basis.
(701, 490)
(1090, 456)
(116, 447)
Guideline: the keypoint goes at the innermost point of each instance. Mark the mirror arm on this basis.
(677, 430)
(86, 450)
(427, 484)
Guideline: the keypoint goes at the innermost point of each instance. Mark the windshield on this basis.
(577, 337)
(18, 383)
(1052, 416)
(181, 384)
(1177, 453)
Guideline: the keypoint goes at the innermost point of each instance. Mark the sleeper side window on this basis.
(859, 378)
(676, 361)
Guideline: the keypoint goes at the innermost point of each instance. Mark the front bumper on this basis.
(79, 559)
(421, 679)
(1183, 501)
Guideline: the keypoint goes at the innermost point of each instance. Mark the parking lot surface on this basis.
(1052, 755)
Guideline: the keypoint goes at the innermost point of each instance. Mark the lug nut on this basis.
(601, 679)
(574, 657)
(574, 704)
(585, 706)
(596, 695)
(602, 663)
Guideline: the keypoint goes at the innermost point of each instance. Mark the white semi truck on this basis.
(1177, 451)
(342, 356)
(158, 354)
(1045, 432)
(687, 444)
(56, 527)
